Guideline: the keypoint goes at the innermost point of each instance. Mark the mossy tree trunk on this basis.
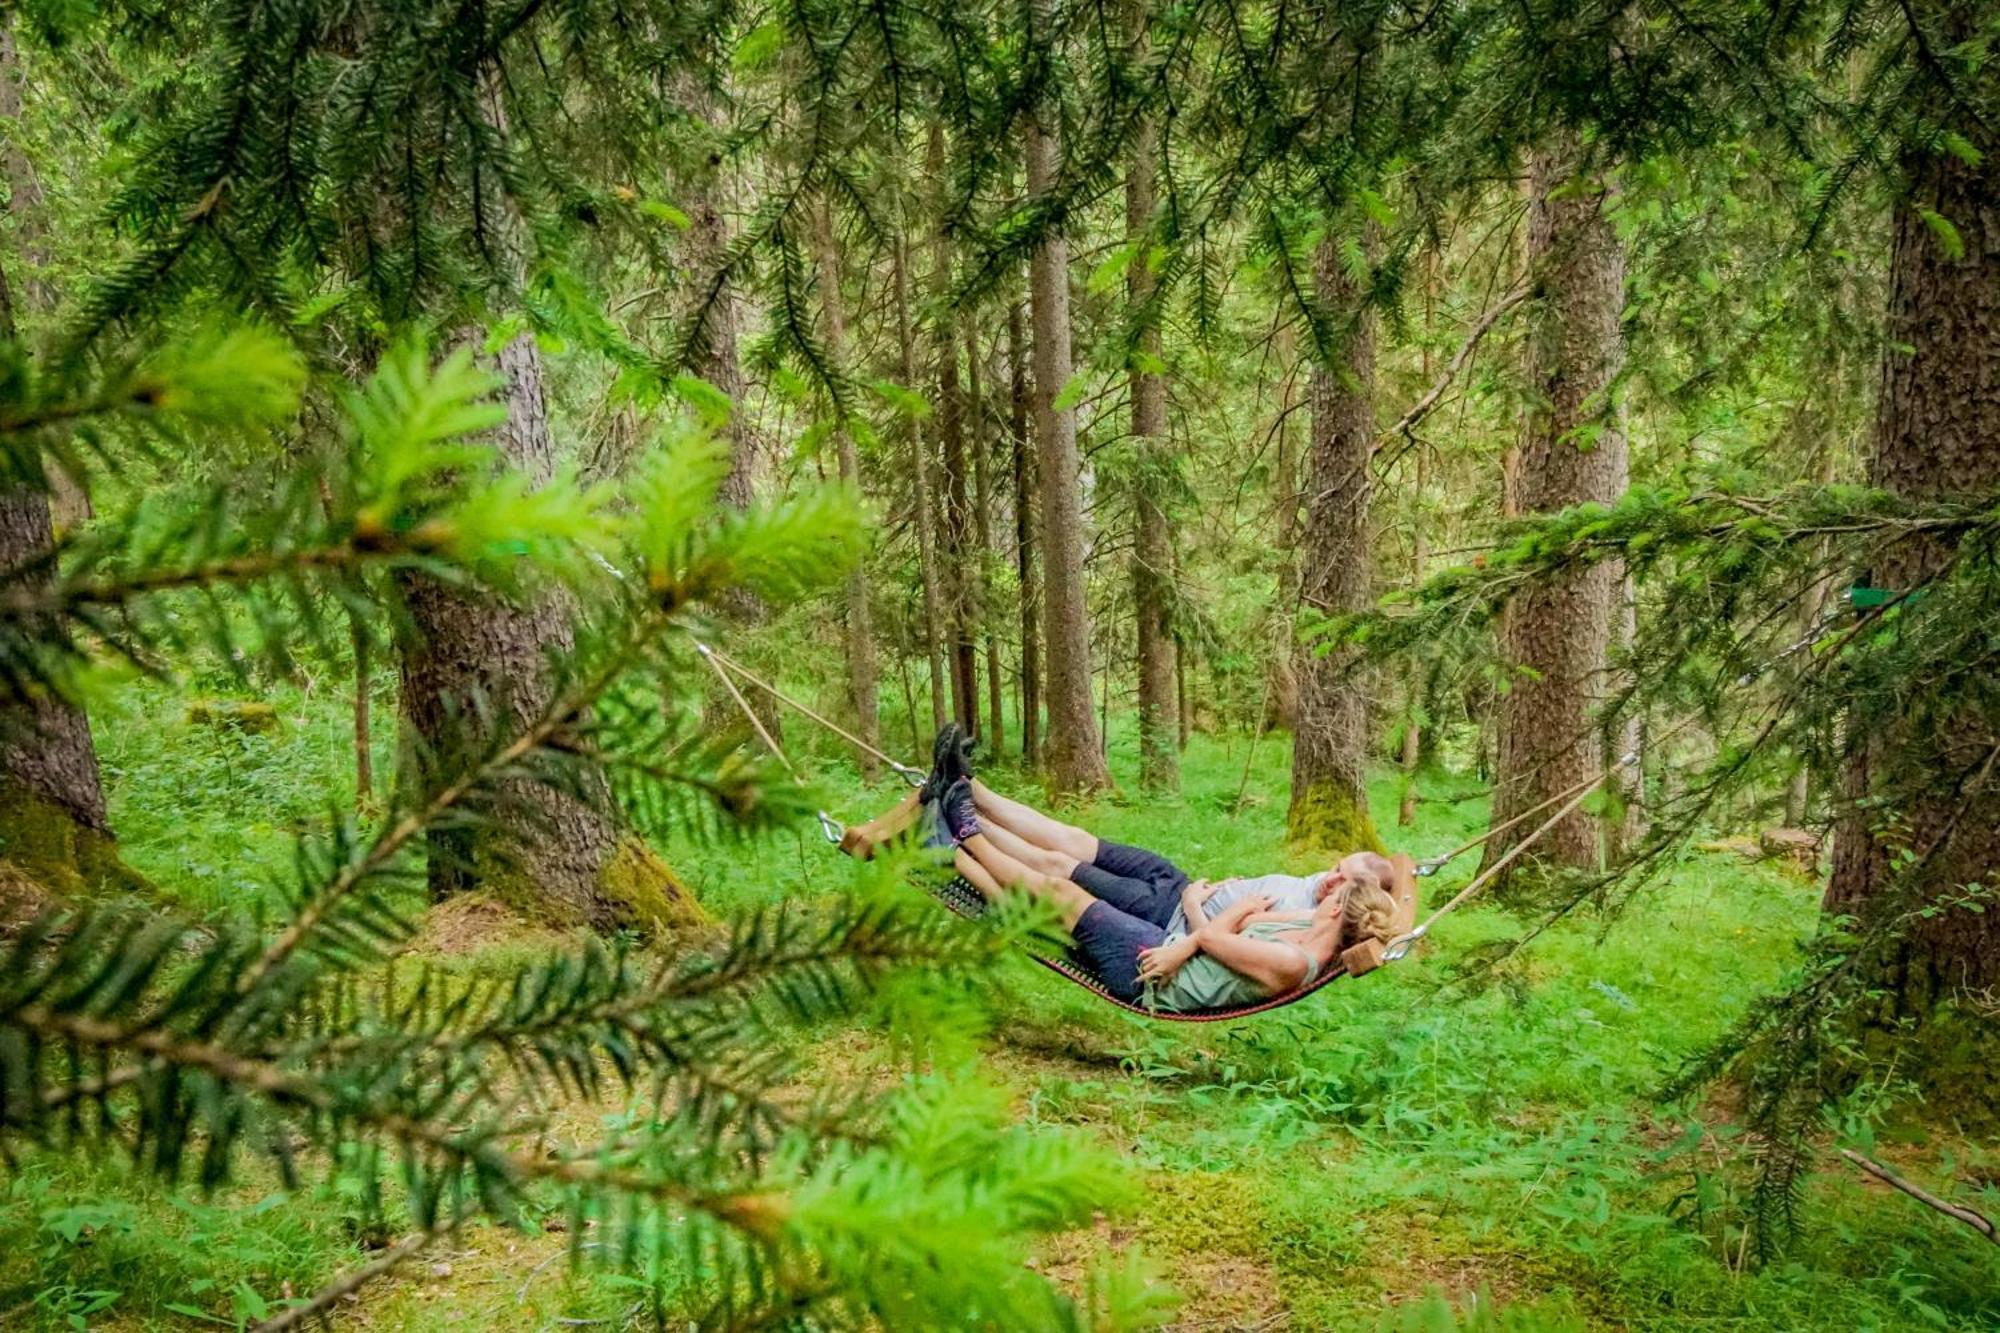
(1072, 758)
(53, 825)
(1152, 553)
(1556, 635)
(1927, 773)
(1329, 808)
(475, 667)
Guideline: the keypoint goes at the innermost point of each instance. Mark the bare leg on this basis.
(1070, 900)
(1032, 826)
(862, 840)
(1027, 853)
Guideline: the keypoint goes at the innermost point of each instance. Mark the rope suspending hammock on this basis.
(959, 895)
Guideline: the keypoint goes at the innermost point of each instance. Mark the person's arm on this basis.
(1276, 967)
(1194, 903)
(1161, 963)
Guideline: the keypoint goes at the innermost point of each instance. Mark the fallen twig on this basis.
(1977, 1221)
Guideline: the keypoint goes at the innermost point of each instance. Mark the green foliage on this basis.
(311, 1044)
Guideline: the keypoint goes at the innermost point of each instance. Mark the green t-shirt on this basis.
(1204, 983)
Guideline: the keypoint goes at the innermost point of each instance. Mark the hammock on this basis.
(959, 895)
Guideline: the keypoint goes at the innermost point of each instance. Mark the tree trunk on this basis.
(1282, 686)
(364, 728)
(858, 628)
(1180, 693)
(1152, 555)
(1072, 757)
(1625, 824)
(1025, 522)
(53, 827)
(717, 361)
(1936, 435)
(979, 421)
(475, 669)
(1557, 633)
(957, 543)
(1413, 731)
(920, 486)
(1329, 809)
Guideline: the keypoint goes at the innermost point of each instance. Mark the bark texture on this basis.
(979, 426)
(1152, 554)
(858, 630)
(716, 313)
(1413, 732)
(1026, 521)
(1556, 634)
(473, 667)
(1071, 755)
(920, 486)
(956, 532)
(1936, 434)
(53, 828)
(1329, 809)
(1281, 683)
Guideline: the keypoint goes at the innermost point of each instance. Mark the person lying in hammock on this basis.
(1151, 934)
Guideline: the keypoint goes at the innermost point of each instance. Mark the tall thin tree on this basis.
(922, 518)
(857, 625)
(956, 532)
(979, 424)
(1152, 552)
(1556, 634)
(1071, 755)
(1026, 521)
(1329, 806)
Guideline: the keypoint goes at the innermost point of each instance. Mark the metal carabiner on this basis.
(914, 777)
(1402, 944)
(830, 828)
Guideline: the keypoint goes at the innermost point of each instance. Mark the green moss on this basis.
(647, 891)
(1200, 1212)
(1326, 817)
(240, 715)
(46, 849)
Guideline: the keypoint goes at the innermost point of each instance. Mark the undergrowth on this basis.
(1429, 1148)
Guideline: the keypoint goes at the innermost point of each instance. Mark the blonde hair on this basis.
(1369, 912)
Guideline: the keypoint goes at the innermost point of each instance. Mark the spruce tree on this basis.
(1556, 636)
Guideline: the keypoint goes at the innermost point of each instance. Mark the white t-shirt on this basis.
(1288, 893)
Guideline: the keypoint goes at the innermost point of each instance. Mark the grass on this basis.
(1395, 1153)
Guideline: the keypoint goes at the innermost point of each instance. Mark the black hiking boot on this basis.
(948, 762)
(961, 817)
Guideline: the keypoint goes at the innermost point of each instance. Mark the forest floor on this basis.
(1396, 1153)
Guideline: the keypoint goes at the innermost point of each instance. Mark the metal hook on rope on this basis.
(1402, 944)
(830, 828)
(1400, 947)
